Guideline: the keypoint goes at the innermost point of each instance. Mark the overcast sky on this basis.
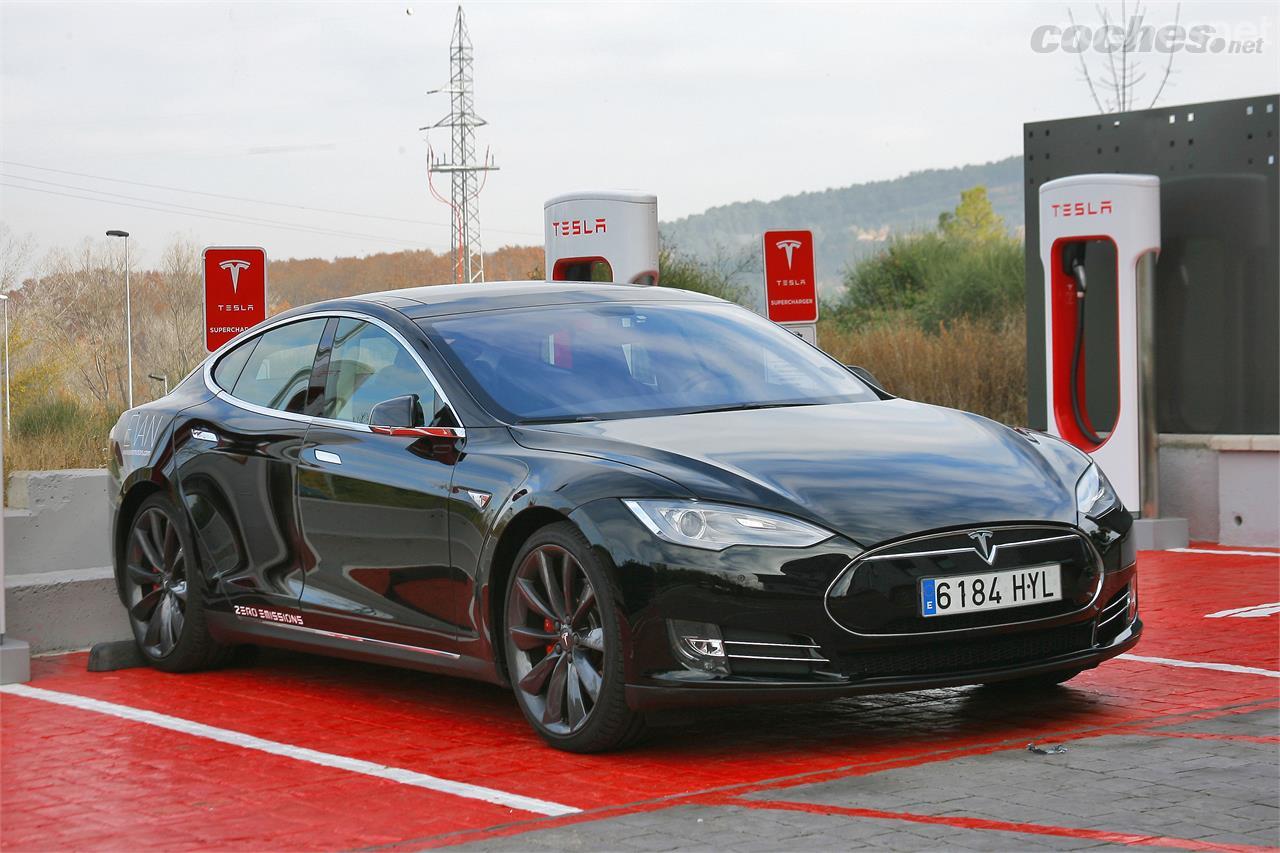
(318, 105)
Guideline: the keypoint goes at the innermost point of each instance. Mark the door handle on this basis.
(204, 435)
(327, 456)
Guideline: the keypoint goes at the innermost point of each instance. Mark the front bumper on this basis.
(783, 642)
(744, 691)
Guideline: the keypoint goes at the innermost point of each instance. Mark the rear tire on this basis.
(563, 642)
(164, 591)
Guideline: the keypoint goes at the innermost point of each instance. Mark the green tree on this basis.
(687, 273)
(973, 219)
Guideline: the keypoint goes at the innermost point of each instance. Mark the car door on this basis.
(235, 457)
(374, 500)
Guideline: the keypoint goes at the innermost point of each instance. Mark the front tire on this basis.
(563, 643)
(163, 592)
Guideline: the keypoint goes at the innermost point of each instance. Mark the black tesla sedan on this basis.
(611, 498)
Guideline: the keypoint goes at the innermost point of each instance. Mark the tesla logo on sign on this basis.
(1081, 208)
(788, 246)
(235, 292)
(791, 292)
(234, 268)
(580, 227)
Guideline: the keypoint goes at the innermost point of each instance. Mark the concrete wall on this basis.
(58, 586)
(1226, 486)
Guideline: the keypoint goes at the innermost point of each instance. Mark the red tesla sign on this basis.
(791, 294)
(235, 292)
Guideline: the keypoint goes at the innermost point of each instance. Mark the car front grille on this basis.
(878, 594)
(987, 653)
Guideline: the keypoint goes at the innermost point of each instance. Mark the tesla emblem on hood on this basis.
(234, 268)
(788, 246)
(983, 540)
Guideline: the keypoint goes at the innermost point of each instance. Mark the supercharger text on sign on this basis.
(235, 292)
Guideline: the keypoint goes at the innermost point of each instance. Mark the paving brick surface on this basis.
(1157, 755)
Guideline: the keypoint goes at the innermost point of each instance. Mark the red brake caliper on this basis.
(550, 628)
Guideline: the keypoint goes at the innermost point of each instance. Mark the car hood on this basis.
(871, 471)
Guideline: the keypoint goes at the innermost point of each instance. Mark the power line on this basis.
(214, 215)
(248, 199)
(249, 219)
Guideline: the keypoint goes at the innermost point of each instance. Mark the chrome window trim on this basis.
(353, 426)
(871, 556)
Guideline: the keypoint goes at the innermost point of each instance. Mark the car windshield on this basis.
(610, 360)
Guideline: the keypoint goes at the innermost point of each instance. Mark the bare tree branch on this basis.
(1177, 12)
(1084, 68)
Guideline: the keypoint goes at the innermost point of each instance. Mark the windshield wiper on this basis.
(559, 419)
(743, 407)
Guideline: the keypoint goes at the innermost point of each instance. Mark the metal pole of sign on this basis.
(161, 377)
(128, 313)
(1148, 448)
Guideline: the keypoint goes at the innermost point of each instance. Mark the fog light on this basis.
(698, 646)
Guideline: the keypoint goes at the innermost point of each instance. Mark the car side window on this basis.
(231, 365)
(278, 371)
(369, 366)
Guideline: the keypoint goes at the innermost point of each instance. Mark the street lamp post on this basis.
(128, 312)
(5, 298)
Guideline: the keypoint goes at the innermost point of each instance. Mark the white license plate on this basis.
(991, 590)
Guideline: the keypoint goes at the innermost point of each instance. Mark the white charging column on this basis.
(1124, 210)
(602, 236)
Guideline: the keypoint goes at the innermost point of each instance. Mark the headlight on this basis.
(1094, 494)
(717, 526)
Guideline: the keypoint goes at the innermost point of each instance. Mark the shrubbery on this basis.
(938, 316)
(968, 268)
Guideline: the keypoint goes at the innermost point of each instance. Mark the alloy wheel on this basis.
(156, 582)
(556, 639)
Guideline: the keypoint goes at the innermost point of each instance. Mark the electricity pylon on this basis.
(467, 176)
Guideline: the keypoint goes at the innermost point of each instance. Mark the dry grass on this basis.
(43, 444)
(77, 449)
(967, 364)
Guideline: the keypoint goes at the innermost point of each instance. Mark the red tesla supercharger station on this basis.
(1106, 227)
(602, 236)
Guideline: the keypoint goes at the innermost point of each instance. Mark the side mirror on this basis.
(398, 413)
(863, 374)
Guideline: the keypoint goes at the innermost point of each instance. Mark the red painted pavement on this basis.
(98, 777)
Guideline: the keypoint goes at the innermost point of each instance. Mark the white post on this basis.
(128, 313)
(128, 319)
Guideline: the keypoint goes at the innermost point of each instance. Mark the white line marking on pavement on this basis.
(324, 759)
(1226, 552)
(1253, 611)
(1191, 664)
